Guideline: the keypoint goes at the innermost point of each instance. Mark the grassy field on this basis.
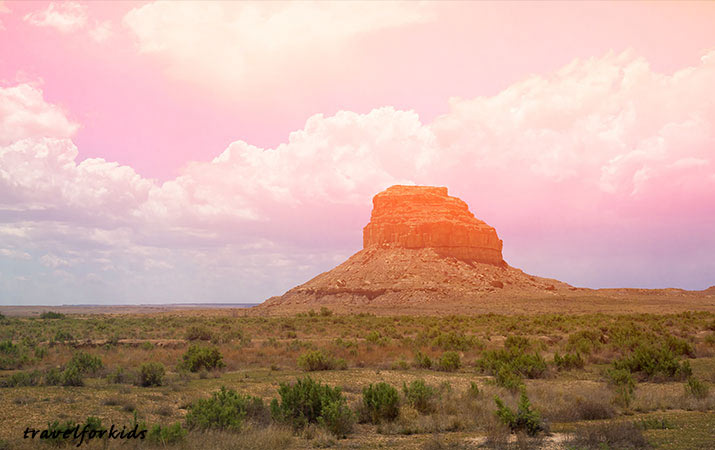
(226, 379)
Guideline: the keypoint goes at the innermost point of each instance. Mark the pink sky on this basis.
(181, 152)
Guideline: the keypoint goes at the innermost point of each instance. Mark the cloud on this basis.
(25, 114)
(236, 44)
(65, 17)
(101, 31)
(3, 10)
(605, 149)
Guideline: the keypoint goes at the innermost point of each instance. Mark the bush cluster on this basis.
(654, 363)
(308, 401)
(151, 374)
(449, 362)
(568, 361)
(199, 357)
(419, 395)
(524, 419)
(225, 410)
(318, 360)
(380, 402)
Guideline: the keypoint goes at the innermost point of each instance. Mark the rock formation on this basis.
(421, 249)
(426, 217)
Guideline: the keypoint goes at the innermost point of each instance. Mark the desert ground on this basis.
(633, 377)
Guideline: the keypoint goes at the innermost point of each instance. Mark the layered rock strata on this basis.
(417, 217)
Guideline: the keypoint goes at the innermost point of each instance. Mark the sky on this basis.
(159, 152)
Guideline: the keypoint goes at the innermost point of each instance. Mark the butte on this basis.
(422, 250)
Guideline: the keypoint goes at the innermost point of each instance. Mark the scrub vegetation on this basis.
(363, 381)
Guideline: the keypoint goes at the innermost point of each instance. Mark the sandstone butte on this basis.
(422, 247)
(426, 217)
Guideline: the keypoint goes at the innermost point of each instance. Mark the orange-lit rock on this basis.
(416, 217)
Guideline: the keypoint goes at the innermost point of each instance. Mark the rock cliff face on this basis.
(417, 217)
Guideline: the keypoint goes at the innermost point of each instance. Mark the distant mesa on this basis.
(418, 217)
(421, 247)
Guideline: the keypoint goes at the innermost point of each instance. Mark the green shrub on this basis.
(72, 376)
(654, 363)
(568, 361)
(199, 357)
(455, 341)
(53, 377)
(696, 388)
(522, 364)
(337, 418)
(679, 346)
(51, 315)
(165, 435)
(380, 402)
(422, 361)
(12, 356)
(318, 360)
(85, 363)
(473, 389)
(584, 342)
(525, 419)
(450, 361)
(63, 336)
(419, 395)
(151, 374)
(624, 384)
(507, 379)
(308, 401)
(517, 344)
(225, 410)
(325, 312)
(198, 333)
(20, 379)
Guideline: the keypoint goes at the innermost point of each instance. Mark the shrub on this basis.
(308, 401)
(455, 341)
(337, 418)
(53, 377)
(63, 336)
(679, 346)
(696, 388)
(325, 312)
(151, 374)
(473, 389)
(624, 384)
(20, 379)
(654, 363)
(610, 435)
(318, 360)
(419, 395)
(380, 402)
(199, 357)
(449, 362)
(522, 364)
(51, 315)
(165, 435)
(517, 344)
(72, 376)
(422, 361)
(507, 379)
(584, 342)
(568, 361)
(85, 363)
(12, 356)
(225, 410)
(525, 419)
(198, 333)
